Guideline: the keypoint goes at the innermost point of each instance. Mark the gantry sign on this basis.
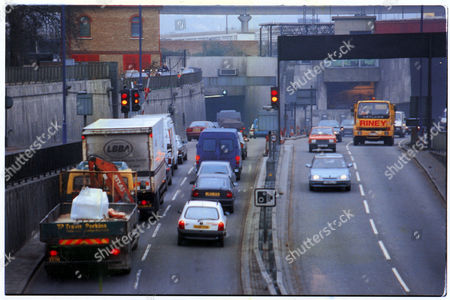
(366, 46)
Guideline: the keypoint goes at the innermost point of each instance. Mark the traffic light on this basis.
(125, 101)
(274, 97)
(135, 105)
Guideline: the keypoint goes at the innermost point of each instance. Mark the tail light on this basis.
(242, 145)
(221, 226)
(189, 129)
(170, 161)
(229, 194)
(53, 253)
(115, 251)
(181, 224)
(197, 159)
(147, 183)
(83, 137)
(238, 159)
(143, 202)
(195, 193)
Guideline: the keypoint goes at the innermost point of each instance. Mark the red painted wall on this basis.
(131, 61)
(409, 26)
(86, 57)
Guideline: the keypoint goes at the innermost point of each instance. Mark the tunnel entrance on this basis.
(214, 105)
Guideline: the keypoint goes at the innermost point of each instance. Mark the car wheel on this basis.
(189, 139)
(180, 241)
(333, 149)
(311, 188)
(170, 180)
(355, 141)
(175, 167)
(310, 149)
(348, 188)
(231, 210)
(221, 241)
(185, 157)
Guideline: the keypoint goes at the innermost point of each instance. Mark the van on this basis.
(220, 144)
(400, 123)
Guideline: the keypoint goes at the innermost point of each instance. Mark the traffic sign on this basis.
(265, 197)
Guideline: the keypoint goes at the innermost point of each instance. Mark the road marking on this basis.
(399, 278)
(245, 190)
(146, 252)
(184, 180)
(361, 190)
(138, 275)
(176, 194)
(156, 230)
(167, 209)
(366, 206)
(372, 223)
(349, 152)
(356, 167)
(353, 160)
(357, 176)
(250, 169)
(385, 252)
(190, 170)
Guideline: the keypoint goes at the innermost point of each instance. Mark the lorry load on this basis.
(230, 119)
(91, 203)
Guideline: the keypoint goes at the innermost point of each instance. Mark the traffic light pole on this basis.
(279, 101)
(64, 88)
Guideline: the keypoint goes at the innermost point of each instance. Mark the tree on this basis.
(27, 26)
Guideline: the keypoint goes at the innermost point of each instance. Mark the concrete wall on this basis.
(36, 106)
(395, 80)
(25, 206)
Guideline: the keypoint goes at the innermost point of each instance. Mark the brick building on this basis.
(111, 33)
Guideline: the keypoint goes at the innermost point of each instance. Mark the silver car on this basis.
(329, 170)
(215, 167)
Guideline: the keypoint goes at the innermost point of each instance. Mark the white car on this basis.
(202, 220)
(215, 167)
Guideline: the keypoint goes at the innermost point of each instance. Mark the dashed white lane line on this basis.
(138, 275)
(245, 190)
(190, 170)
(351, 157)
(156, 230)
(385, 252)
(361, 190)
(146, 252)
(349, 152)
(399, 278)
(184, 180)
(250, 169)
(176, 194)
(355, 166)
(167, 209)
(366, 207)
(374, 228)
(357, 176)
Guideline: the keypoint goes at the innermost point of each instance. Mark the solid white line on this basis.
(190, 170)
(167, 209)
(366, 206)
(399, 278)
(372, 223)
(385, 252)
(361, 190)
(156, 230)
(176, 194)
(146, 252)
(354, 165)
(357, 176)
(138, 275)
(184, 180)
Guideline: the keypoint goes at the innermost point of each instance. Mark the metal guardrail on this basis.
(83, 71)
(162, 82)
(18, 167)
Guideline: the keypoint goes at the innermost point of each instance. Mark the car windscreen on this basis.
(373, 110)
(204, 213)
(347, 122)
(209, 145)
(213, 169)
(199, 124)
(327, 163)
(321, 131)
(330, 123)
(212, 182)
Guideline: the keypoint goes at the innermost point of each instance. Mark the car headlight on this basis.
(315, 177)
(330, 141)
(344, 177)
(313, 141)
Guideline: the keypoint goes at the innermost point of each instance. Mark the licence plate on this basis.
(373, 133)
(212, 194)
(329, 182)
(201, 226)
(196, 130)
(322, 146)
(54, 259)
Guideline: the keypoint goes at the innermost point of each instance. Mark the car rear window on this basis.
(209, 145)
(210, 169)
(212, 182)
(199, 124)
(226, 145)
(198, 212)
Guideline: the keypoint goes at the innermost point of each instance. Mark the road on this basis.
(159, 265)
(393, 240)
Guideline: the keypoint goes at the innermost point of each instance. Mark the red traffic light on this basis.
(124, 96)
(274, 97)
(274, 92)
(136, 95)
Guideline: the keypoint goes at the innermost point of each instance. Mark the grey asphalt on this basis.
(197, 268)
(409, 219)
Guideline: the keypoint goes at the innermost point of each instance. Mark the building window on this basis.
(85, 27)
(135, 26)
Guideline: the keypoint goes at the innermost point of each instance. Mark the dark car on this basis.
(215, 187)
(220, 144)
(196, 127)
(182, 150)
(336, 128)
(347, 127)
(329, 170)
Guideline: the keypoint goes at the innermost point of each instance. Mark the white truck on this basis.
(139, 143)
